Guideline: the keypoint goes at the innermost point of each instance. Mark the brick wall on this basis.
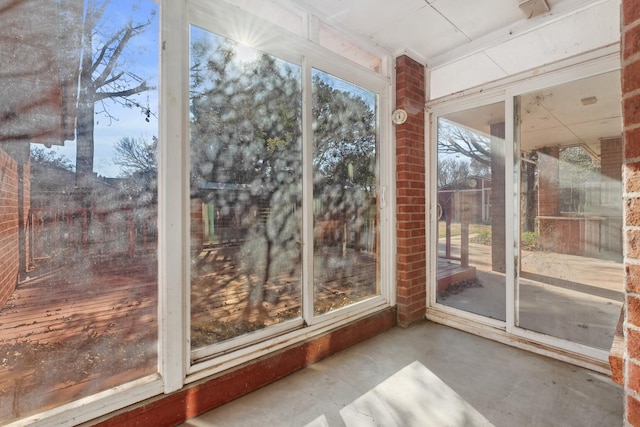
(611, 158)
(411, 200)
(9, 254)
(631, 180)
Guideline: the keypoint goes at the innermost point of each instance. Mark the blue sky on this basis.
(141, 58)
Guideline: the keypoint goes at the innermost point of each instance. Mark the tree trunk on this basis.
(86, 113)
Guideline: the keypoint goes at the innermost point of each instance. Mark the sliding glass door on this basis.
(471, 211)
(561, 147)
(571, 273)
(284, 220)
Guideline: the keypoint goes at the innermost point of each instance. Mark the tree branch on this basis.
(104, 50)
(114, 78)
(123, 93)
(111, 63)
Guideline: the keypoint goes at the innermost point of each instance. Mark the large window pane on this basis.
(78, 200)
(246, 169)
(571, 272)
(344, 192)
(471, 213)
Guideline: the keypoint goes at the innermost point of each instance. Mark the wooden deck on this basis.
(80, 329)
(224, 304)
(450, 273)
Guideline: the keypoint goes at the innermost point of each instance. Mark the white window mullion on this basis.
(307, 193)
(173, 196)
(386, 182)
(511, 213)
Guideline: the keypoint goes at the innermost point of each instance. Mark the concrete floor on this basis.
(565, 296)
(429, 375)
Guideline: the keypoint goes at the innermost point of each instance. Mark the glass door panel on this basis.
(471, 212)
(246, 190)
(571, 272)
(345, 215)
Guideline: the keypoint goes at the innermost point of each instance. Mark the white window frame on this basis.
(174, 354)
(591, 64)
(225, 19)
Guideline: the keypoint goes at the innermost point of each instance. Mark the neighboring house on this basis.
(473, 193)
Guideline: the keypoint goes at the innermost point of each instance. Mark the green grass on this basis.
(481, 233)
(455, 229)
(529, 240)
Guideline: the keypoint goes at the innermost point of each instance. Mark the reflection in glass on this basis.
(570, 212)
(344, 191)
(246, 170)
(471, 213)
(78, 269)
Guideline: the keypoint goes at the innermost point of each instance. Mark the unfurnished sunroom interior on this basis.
(201, 197)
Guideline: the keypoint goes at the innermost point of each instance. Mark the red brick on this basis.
(630, 43)
(633, 278)
(631, 112)
(631, 77)
(632, 177)
(633, 310)
(632, 212)
(633, 244)
(630, 11)
(411, 194)
(9, 225)
(632, 143)
(633, 343)
(633, 376)
(633, 411)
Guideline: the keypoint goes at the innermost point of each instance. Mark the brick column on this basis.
(611, 159)
(631, 181)
(611, 181)
(411, 200)
(498, 195)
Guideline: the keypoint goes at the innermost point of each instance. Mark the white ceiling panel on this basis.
(366, 17)
(592, 132)
(558, 115)
(589, 29)
(547, 137)
(425, 31)
(464, 15)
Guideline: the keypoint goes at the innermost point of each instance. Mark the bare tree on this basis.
(455, 139)
(451, 170)
(104, 76)
(137, 155)
(43, 157)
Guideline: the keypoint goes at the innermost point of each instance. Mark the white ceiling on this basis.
(424, 28)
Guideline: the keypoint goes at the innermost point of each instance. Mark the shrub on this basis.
(529, 240)
(482, 237)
